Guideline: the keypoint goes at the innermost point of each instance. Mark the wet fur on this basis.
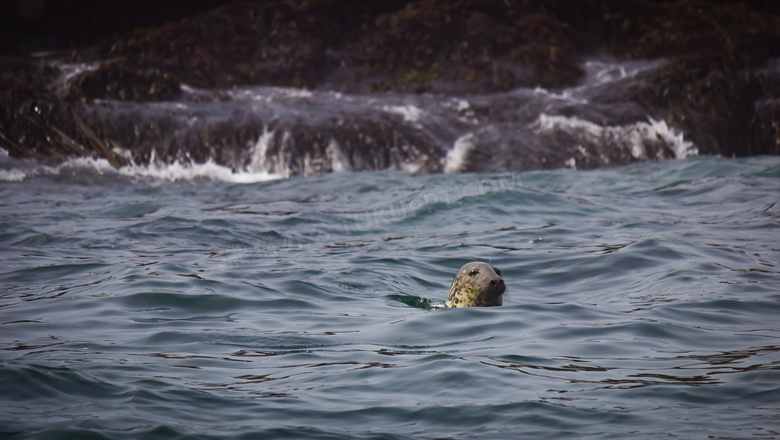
(472, 286)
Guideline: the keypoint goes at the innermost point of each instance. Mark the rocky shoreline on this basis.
(717, 80)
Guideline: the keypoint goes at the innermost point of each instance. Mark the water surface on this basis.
(643, 303)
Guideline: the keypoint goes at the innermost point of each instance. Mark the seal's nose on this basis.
(497, 282)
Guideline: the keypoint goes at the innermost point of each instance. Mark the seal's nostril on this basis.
(500, 281)
(492, 282)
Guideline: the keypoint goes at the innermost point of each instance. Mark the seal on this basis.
(477, 285)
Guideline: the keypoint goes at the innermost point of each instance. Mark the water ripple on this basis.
(643, 303)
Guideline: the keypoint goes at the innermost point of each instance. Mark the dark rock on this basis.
(463, 47)
(718, 84)
(504, 147)
(765, 135)
(113, 81)
(30, 26)
(289, 135)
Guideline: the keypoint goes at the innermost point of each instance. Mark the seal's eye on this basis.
(474, 273)
(498, 272)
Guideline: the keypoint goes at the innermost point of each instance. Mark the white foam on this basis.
(338, 162)
(603, 72)
(682, 148)
(597, 73)
(634, 134)
(463, 105)
(456, 157)
(99, 165)
(257, 162)
(268, 94)
(208, 170)
(69, 72)
(410, 113)
(547, 123)
(564, 95)
(292, 92)
(12, 175)
(33, 170)
(173, 172)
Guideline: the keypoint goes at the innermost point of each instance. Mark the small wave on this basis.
(410, 113)
(600, 72)
(456, 157)
(208, 170)
(69, 73)
(11, 175)
(633, 135)
(82, 167)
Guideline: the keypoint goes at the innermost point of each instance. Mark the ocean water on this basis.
(198, 303)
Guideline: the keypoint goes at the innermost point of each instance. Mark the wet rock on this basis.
(716, 83)
(423, 46)
(352, 144)
(46, 26)
(710, 87)
(503, 147)
(275, 136)
(708, 100)
(113, 81)
(463, 48)
(558, 141)
(765, 135)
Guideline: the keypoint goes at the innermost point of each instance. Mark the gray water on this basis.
(643, 303)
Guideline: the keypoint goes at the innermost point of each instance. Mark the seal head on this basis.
(477, 285)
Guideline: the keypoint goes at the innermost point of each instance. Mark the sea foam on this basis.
(176, 171)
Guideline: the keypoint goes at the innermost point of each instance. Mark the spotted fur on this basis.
(477, 285)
